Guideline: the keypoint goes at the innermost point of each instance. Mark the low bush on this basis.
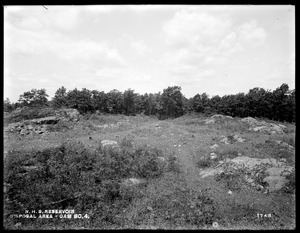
(71, 176)
(232, 180)
(291, 184)
(204, 163)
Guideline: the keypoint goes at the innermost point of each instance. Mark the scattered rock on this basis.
(30, 168)
(133, 182)
(149, 208)
(162, 159)
(259, 187)
(209, 121)
(282, 126)
(213, 155)
(249, 180)
(214, 147)
(238, 138)
(109, 143)
(225, 140)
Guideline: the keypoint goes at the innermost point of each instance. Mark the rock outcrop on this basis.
(262, 126)
(217, 117)
(273, 171)
(68, 114)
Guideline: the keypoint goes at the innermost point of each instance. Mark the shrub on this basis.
(291, 184)
(173, 164)
(71, 176)
(204, 163)
(232, 181)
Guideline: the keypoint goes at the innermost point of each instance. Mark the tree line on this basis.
(171, 103)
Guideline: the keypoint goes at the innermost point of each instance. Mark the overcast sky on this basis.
(214, 49)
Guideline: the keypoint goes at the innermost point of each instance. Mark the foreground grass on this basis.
(90, 182)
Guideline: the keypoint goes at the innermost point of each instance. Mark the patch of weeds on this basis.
(291, 184)
(233, 126)
(204, 163)
(71, 176)
(230, 139)
(289, 139)
(229, 153)
(275, 150)
(233, 180)
(241, 212)
(184, 208)
(173, 164)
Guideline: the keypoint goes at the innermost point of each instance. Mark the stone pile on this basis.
(262, 126)
(39, 125)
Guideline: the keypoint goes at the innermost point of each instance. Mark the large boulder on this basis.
(275, 183)
(45, 120)
(68, 114)
(262, 126)
(250, 120)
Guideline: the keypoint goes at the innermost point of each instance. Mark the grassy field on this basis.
(71, 170)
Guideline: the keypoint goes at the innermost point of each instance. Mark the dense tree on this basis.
(60, 98)
(33, 98)
(129, 98)
(172, 102)
(7, 107)
(81, 100)
(99, 100)
(278, 105)
(114, 102)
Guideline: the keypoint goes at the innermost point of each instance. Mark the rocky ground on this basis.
(245, 164)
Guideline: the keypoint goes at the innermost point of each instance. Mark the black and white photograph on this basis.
(149, 117)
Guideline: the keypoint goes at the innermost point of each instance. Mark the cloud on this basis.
(38, 18)
(33, 42)
(198, 40)
(190, 28)
(140, 47)
(251, 34)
